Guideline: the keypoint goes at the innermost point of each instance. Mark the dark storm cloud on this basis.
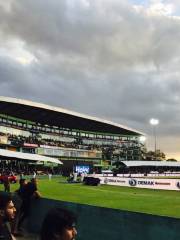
(98, 57)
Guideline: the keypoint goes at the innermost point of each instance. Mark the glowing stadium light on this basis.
(142, 139)
(154, 121)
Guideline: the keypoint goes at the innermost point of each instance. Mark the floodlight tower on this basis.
(154, 122)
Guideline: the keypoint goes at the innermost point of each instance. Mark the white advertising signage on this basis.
(164, 184)
(65, 152)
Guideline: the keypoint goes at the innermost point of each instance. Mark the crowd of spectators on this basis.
(107, 150)
(14, 167)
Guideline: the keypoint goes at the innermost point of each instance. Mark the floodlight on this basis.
(154, 121)
(142, 139)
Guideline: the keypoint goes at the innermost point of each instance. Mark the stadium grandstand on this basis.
(69, 137)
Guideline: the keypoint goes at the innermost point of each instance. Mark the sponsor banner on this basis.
(94, 154)
(30, 145)
(164, 184)
(150, 175)
(65, 152)
(47, 146)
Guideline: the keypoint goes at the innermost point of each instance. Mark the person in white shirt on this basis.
(75, 176)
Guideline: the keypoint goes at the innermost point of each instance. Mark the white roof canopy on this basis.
(151, 163)
(27, 156)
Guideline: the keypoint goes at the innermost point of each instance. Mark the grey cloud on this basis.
(103, 59)
(106, 34)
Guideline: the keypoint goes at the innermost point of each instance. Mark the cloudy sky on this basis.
(114, 59)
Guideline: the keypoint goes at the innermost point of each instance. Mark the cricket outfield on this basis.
(156, 202)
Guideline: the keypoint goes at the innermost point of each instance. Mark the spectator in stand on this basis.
(59, 224)
(7, 214)
(30, 191)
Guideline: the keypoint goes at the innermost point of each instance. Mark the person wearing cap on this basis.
(59, 224)
(7, 215)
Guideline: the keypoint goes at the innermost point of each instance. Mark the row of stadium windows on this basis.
(22, 133)
(60, 149)
(38, 128)
(26, 134)
(19, 140)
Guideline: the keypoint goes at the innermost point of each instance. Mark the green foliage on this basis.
(158, 155)
(171, 160)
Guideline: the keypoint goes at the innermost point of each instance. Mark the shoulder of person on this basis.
(37, 194)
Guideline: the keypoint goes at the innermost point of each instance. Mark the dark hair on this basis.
(56, 220)
(33, 180)
(5, 198)
(22, 180)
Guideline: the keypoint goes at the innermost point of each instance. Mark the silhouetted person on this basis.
(30, 191)
(59, 224)
(6, 183)
(7, 215)
(19, 201)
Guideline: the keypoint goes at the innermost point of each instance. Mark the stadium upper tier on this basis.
(63, 118)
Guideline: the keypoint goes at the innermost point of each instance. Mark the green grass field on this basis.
(157, 202)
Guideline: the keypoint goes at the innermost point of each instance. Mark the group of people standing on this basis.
(22, 198)
(25, 193)
(76, 177)
(59, 224)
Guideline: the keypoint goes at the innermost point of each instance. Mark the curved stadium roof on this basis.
(60, 117)
(7, 154)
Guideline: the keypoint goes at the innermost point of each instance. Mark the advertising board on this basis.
(150, 183)
(65, 152)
